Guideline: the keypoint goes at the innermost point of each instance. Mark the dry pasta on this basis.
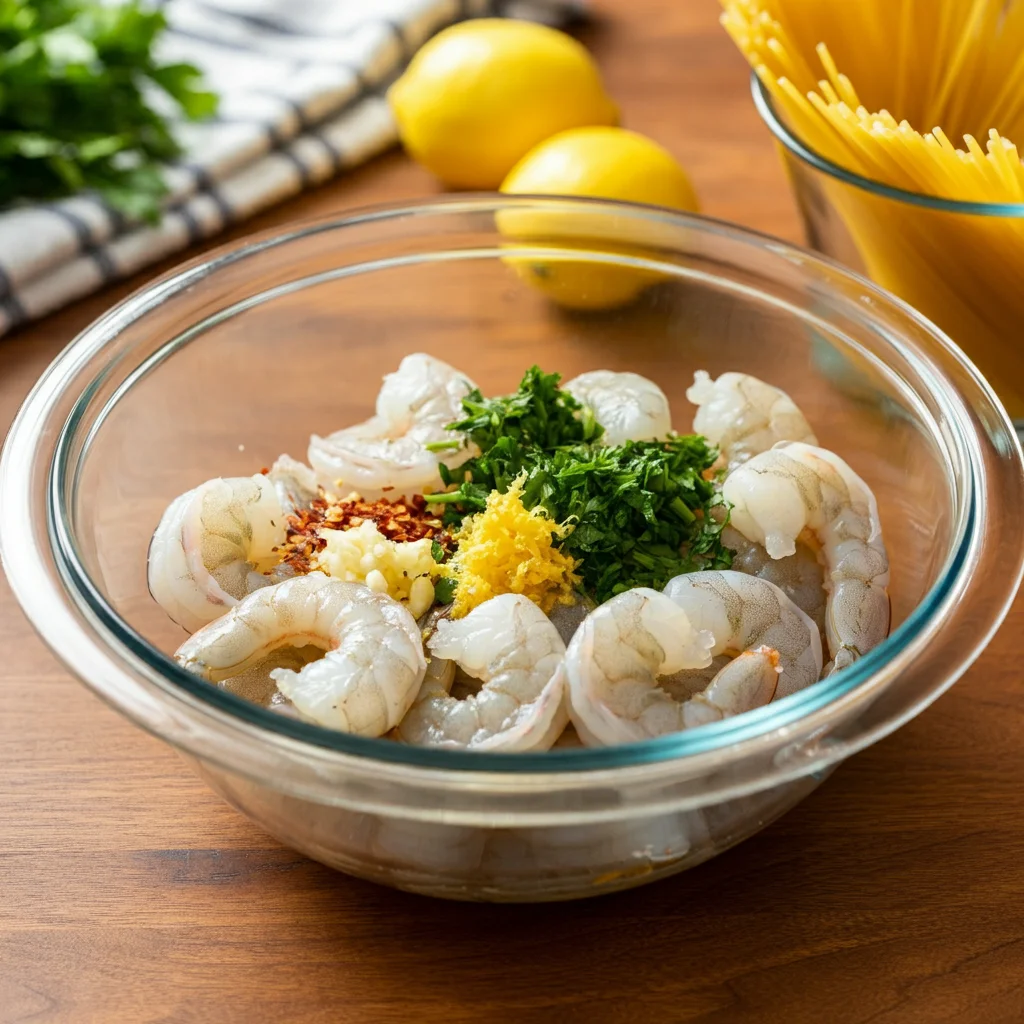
(883, 88)
(953, 68)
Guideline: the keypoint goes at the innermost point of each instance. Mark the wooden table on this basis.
(129, 893)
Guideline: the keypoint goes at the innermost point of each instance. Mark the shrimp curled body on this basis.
(795, 487)
(744, 416)
(212, 545)
(628, 406)
(512, 646)
(389, 451)
(369, 676)
(615, 659)
(744, 613)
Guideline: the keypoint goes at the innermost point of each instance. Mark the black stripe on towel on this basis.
(9, 301)
(104, 263)
(83, 233)
(195, 231)
(336, 155)
(305, 173)
(275, 27)
(206, 185)
(118, 221)
(398, 32)
(294, 106)
(257, 21)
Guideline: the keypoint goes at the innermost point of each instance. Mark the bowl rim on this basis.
(109, 630)
(800, 149)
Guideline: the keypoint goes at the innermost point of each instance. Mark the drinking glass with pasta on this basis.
(879, 107)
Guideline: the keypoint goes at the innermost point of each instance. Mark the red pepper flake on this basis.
(402, 520)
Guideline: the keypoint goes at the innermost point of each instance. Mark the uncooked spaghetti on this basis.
(927, 71)
(900, 92)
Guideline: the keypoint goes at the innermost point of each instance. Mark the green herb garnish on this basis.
(73, 114)
(642, 511)
(540, 414)
(444, 590)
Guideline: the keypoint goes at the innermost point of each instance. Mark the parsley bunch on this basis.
(641, 510)
(76, 78)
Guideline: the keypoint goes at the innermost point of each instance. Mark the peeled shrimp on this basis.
(212, 545)
(744, 416)
(367, 679)
(744, 613)
(780, 493)
(628, 406)
(388, 451)
(510, 644)
(799, 576)
(615, 659)
(294, 483)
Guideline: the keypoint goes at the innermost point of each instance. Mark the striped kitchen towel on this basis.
(302, 98)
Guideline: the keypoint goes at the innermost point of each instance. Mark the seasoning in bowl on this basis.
(556, 495)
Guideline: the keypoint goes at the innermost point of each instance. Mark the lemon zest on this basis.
(509, 549)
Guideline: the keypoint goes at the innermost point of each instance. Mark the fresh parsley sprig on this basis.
(76, 107)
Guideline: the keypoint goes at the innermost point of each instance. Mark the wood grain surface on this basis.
(129, 893)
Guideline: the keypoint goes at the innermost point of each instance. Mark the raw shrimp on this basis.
(799, 576)
(744, 416)
(212, 545)
(744, 613)
(614, 661)
(366, 681)
(294, 483)
(780, 493)
(510, 644)
(388, 451)
(628, 406)
(295, 486)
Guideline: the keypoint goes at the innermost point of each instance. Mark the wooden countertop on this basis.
(129, 893)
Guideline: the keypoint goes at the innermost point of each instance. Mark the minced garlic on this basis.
(507, 549)
(364, 555)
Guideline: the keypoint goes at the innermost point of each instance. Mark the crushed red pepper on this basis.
(401, 520)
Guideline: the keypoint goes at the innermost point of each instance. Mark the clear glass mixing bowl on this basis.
(216, 368)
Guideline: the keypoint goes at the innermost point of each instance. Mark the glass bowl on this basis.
(959, 263)
(218, 367)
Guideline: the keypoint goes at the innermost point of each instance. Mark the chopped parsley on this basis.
(444, 591)
(641, 511)
(539, 415)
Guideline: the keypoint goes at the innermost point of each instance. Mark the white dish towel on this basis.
(301, 85)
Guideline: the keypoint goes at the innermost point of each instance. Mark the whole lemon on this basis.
(484, 92)
(601, 163)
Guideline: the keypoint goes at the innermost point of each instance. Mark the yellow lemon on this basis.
(484, 92)
(603, 163)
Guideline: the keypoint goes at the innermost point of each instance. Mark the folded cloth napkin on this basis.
(301, 88)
